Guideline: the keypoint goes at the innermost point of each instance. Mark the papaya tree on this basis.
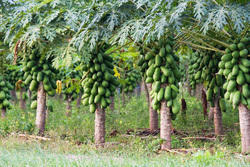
(92, 41)
(5, 87)
(204, 69)
(70, 85)
(99, 85)
(34, 30)
(222, 27)
(162, 72)
(16, 78)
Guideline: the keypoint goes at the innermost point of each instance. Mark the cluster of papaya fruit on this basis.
(161, 68)
(71, 84)
(193, 68)
(16, 77)
(5, 88)
(133, 77)
(99, 82)
(15, 74)
(235, 66)
(39, 69)
(203, 68)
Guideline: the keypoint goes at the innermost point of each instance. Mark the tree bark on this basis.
(112, 105)
(218, 128)
(123, 99)
(22, 100)
(41, 109)
(68, 107)
(165, 130)
(147, 92)
(153, 115)
(244, 115)
(211, 113)
(13, 95)
(138, 90)
(99, 126)
(3, 113)
(204, 103)
(78, 103)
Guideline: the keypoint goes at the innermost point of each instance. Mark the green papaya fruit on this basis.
(162, 52)
(167, 93)
(231, 85)
(157, 74)
(243, 53)
(246, 91)
(240, 78)
(92, 108)
(158, 60)
(236, 98)
(160, 94)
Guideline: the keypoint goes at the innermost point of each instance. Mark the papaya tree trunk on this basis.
(123, 98)
(183, 109)
(3, 113)
(41, 109)
(147, 93)
(165, 130)
(99, 126)
(22, 100)
(153, 115)
(78, 102)
(218, 128)
(204, 103)
(211, 113)
(112, 105)
(68, 106)
(244, 115)
(138, 90)
(13, 95)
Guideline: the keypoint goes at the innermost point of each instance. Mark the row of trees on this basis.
(55, 31)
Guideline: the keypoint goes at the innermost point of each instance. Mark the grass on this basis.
(72, 138)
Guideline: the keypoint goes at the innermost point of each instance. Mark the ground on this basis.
(69, 140)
